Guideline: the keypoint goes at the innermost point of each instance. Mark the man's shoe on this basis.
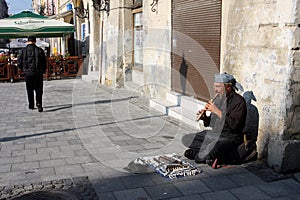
(213, 163)
(191, 153)
(199, 160)
(252, 156)
(40, 108)
(31, 107)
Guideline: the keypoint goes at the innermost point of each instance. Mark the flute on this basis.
(203, 111)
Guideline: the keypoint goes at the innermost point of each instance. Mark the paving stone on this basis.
(136, 181)
(37, 157)
(244, 179)
(5, 168)
(190, 197)
(108, 185)
(219, 183)
(192, 187)
(219, 195)
(25, 166)
(106, 196)
(281, 188)
(35, 145)
(249, 192)
(62, 154)
(163, 191)
(52, 163)
(69, 169)
(137, 193)
(78, 160)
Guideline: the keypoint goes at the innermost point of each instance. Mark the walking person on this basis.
(32, 61)
(227, 119)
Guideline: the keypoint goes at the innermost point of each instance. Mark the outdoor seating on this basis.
(4, 71)
(56, 69)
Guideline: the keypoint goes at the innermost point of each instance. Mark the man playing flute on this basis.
(226, 115)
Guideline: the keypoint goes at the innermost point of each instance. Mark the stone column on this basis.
(116, 42)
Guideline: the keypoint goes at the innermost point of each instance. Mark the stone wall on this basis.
(157, 49)
(95, 44)
(257, 38)
(117, 44)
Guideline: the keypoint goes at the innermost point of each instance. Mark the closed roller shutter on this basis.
(196, 46)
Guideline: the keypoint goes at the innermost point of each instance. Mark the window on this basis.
(137, 1)
(138, 41)
(83, 27)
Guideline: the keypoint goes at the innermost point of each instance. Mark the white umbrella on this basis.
(27, 24)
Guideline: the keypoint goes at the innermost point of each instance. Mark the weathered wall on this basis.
(257, 38)
(94, 22)
(117, 42)
(157, 49)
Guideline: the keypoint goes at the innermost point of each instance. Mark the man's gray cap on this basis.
(228, 78)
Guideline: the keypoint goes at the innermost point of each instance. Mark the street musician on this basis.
(227, 118)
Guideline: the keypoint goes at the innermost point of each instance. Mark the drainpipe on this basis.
(101, 49)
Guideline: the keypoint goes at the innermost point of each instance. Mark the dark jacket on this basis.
(32, 60)
(234, 112)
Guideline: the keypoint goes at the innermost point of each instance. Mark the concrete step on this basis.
(190, 107)
(175, 112)
(91, 77)
(174, 97)
(162, 105)
(180, 107)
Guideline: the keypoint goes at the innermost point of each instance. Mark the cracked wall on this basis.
(257, 42)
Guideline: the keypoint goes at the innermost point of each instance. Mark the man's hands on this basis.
(213, 109)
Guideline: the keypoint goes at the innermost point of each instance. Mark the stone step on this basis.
(91, 77)
(190, 120)
(162, 105)
(175, 112)
(174, 97)
(190, 107)
(180, 107)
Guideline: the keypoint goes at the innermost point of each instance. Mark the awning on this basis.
(27, 23)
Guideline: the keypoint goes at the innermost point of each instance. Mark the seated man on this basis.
(227, 119)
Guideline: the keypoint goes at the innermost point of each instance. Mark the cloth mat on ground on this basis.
(168, 165)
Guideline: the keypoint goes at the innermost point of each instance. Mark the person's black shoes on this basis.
(199, 160)
(40, 109)
(31, 107)
(191, 153)
(39, 106)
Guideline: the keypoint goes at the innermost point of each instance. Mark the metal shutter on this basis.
(196, 46)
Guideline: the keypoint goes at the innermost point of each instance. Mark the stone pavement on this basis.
(88, 133)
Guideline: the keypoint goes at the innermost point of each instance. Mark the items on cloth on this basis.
(169, 166)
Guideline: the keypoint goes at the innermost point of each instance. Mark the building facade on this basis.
(178, 46)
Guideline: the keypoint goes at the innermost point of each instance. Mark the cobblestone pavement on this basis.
(91, 132)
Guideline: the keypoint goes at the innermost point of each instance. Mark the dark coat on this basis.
(32, 61)
(234, 113)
